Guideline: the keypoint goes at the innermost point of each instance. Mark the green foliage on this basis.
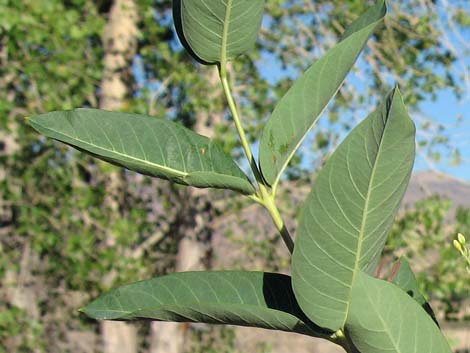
(302, 105)
(235, 298)
(350, 210)
(17, 333)
(384, 318)
(42, 74)
(415, 35)
(216, 32)
(51, 56)
(424, 234)
(406, 280)
(352, 205)
(382, 147)
(151, 146)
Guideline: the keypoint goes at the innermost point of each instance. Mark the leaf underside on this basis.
(406, 280)
(148, 145)
(347, 216)
(384, 319)
(255, 299)
(213, 31)
(302, 105)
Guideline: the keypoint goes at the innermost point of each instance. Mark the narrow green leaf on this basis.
(350, 210)
(217, 31)
(253, 299)
(406, 280)
(302, 105)
(384, 319)
(148, 145)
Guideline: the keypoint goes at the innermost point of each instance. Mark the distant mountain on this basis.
(426, 184)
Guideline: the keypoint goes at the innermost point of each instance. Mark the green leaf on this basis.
(148, 145)
(302, 105)
(217, 31)
(347, 216)
(253, 299)
(406, 280)
(384, 319)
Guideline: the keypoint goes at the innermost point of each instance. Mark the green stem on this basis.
(341, 340)
(263, 196)
(238, 124)
(270, 205)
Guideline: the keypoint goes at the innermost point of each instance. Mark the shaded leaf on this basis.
(383, 319)
(302, 105)
(253, 299)
(406, 280)
(347, 216)
(148, 145)
(217, 31)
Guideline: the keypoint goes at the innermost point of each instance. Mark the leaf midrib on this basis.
(246, 307)
(223, 49)
(113, 151)
(186, 305)
(365, 212)
(143, 161)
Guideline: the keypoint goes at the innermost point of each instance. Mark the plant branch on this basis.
(238, 124)
(263, 196)
(270, 205)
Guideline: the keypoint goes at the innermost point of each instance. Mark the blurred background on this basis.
(72, 227)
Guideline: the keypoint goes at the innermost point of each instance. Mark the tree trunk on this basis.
(120, 42)
(195, 246)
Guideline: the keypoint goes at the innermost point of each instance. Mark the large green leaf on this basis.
(253, 299)
(302, 105)
(384, 319)
(406, 280)
(215, 31)
(145, 144)
(348, 214)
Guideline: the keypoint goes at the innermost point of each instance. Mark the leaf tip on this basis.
(382, 4)
(91, 312)
(396, 90)
(396, 96)
(85, 311)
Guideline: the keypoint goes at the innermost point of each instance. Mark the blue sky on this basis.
(455, 116)
(447, 110)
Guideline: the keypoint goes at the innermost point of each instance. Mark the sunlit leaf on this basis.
(302, 105)
(217, 31)
(350, 210)
(384, 319)
(148, 145)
